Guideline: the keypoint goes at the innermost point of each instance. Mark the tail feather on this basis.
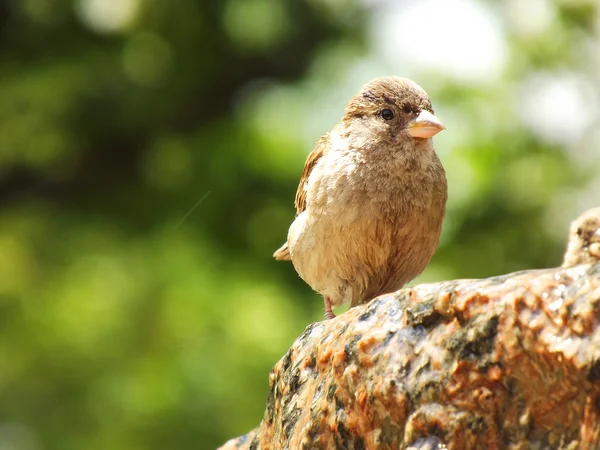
(283, 254)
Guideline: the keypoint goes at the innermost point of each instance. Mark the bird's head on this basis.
(584, 239)
(393, 108)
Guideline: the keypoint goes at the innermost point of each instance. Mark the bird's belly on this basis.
(317, 256)
(355, 257)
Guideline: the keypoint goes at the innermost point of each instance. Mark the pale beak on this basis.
(425, 125)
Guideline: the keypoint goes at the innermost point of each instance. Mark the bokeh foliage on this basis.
(124, 327)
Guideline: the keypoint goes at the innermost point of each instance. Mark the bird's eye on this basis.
(387, 114)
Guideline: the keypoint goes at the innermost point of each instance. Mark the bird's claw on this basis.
(328, 312)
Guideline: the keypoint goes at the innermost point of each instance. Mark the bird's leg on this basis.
(328, 312)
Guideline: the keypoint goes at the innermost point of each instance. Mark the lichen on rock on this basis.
(510, 362)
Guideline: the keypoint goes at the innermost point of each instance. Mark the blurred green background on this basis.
(127, 323)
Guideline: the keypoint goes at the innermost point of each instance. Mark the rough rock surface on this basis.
(510, 362)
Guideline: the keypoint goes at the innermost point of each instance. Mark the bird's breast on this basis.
(350, 187)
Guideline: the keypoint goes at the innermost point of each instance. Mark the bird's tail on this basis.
(283, 254)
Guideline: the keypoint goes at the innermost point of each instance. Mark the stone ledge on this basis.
(506, 362)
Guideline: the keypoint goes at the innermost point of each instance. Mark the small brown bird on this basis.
(584, 239)
(372, 197)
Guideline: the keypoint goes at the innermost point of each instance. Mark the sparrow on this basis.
(584, 239)
(371, 199)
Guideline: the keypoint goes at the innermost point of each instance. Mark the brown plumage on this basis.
(584, 239)
(371, 198)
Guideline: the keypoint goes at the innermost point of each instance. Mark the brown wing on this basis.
(283, 253)
(320, 149)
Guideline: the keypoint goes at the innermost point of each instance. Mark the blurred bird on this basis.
(584, 239)
(372, 197)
